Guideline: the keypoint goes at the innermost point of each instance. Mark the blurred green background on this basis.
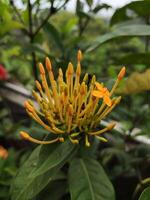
(30, 30)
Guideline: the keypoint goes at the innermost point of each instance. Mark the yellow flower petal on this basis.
(107, 100)
(97, 93)
(99, 86)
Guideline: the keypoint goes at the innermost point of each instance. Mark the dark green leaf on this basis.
(20, 182)
(87, 180)
(140, 8)
(34, 47)
(55, 35)
(51, 160)
(55, 190)
(145, 194)
(84, 15)
(100, 7)
(41, 168)
(121, 31)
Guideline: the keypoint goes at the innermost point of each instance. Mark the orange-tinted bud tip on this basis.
(79, 56)
(28, 106)
(41, 68)
(70, 68)
(61, 139)
(121, 73)
(24, 135)
(48, 64)
(111, 126)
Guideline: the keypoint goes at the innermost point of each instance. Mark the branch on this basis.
(43, 23)
(51, 12)
(16, 10)
(30, 19)
(32, 39)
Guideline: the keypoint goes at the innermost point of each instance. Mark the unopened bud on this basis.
(41, 68)
(28, 106)
(70, 70)
(121, 73)
(79, 56)
(118, 100)
(60, 72)
(38, 85)
(111, 126)
(24, 135)
(48, 64)
(70, 110)
(82, 88)
(61, 139)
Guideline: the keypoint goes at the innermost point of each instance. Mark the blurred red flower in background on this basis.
(3, 73)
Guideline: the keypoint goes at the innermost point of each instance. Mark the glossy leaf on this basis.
(23, 177)
(41, 168)
(121, 31)
(87, 180)
(53, 159)
(145, 194)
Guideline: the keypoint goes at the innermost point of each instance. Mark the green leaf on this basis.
(145, 194)
(6, 20)
(87, 180)
(121, 31)
(60, 155)
(55, 190)
(40, 169)
(69, 26)
(50, 29)
(23, 176)
(35, 47)
(140, 8)
(85, 15)
(100, 7)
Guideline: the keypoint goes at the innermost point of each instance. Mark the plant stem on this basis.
(31, 35)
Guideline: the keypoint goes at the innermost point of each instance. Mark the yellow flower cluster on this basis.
(71, 108)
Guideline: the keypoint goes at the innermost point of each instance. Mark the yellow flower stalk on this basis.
(71, 108)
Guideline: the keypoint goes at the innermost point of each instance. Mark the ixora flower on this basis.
(73, 108)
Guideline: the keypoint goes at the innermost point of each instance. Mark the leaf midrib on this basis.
(88, 179)
(22, 192)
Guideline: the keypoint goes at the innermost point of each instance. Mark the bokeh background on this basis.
(111, 34)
